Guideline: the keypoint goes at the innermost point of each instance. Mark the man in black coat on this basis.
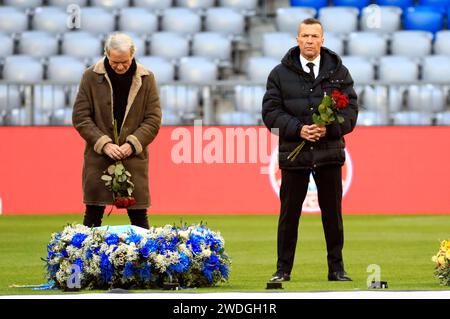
(295, 89)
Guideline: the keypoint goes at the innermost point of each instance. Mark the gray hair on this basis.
(120, 42)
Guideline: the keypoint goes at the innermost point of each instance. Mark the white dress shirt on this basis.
(316, 67)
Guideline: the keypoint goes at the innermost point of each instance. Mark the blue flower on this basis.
(129, 270)
(79, 263)
(149, 247)
(133, 238)
(195, 241)
(106, 268)
(211, 264)
(182, 265)
(145, 272)
(112, 239)
(64, 253)
(213, 242)
(78, 239)
(89, 254)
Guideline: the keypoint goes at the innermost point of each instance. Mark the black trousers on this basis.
(94, 214)
(294, 187)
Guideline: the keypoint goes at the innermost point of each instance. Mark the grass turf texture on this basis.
(401, 245)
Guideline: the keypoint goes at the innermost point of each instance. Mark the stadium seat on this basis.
(411, 43)
(62, 116)
(371, 118)
(181, 20)
(352, 3)
(276, 44)
(288, 19)
(179, 98)
(170, 117)
(334, 42)
(81, 45)
(169, 45)
(50, 19)
(436, 69)
(38, 44)
(163, 70)
(23, 4)
(404, 4)
(361, 69)
(396, 97)
(249, 98)
(258, 68)
(110, 4)
(153, 4)
(7, 45)
(12, 20)
(317, 4)
(428, 98)
(66, 3)
(48, 98)
(65, 69)
(97, 20)
(375, 98)
(423, 18)
(22, 69)
(439, 4)
(442, 42)
(383, 19)
(237, 118)
(367, 44)
(212, 45)
(239, 4)
(9, 97)
(197, 70)
(18, 117)
(398, 69)
(138, 20)
(443, 118)
(413, 118)
(195, 4)
(224, 20)
(140, 43)
(346, 23)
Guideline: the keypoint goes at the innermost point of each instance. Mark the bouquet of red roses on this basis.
(328, 113)
(118, 180)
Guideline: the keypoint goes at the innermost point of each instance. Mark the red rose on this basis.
(125, 202)
(119, 202)
(132, 201)
(340, 99)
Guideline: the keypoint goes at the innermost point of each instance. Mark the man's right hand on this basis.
(113, 151)
(313, 132)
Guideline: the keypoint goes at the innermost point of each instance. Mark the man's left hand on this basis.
(126, 149)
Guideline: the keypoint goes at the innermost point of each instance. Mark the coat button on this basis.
(311, 109)
(314, 165)
(311, 148)
(311, 90)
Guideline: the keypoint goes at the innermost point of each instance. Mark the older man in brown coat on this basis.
(116, 88)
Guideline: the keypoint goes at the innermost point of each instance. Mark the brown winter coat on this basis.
(93, 119)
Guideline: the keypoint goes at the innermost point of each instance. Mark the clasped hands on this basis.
(117, 152)
(313, 132)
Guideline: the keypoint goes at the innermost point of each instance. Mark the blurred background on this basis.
(212, 58)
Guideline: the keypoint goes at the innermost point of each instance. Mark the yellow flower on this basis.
(441, 260)
(434, 259)
(447, 254)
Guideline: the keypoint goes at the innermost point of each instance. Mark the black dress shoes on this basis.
(338, 276)
(280, 276)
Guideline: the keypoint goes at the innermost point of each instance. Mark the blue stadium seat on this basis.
(352, 3)
(435, 3)
(423, 18)
(397, 3)
(317, 4)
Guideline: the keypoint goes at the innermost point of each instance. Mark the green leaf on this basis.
(122, 178)
(111, 169)
(106, 178)
(115, 186)
(340, 119)
(317, 120)
(332, 118)
(322, 108)
(130, 191)
(119, 169)
(128, 173)
(130, 182)
(325, 117)
(326, 101)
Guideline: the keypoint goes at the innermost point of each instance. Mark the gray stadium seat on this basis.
(138, 20)
(212, 45)
(442, 42)
(258, 68)
(38, 44)
(197, 70)
(195, 4)
(48, 98)
(81, 44)
(224, 20)
(339, 19)
(170, 117)
(334, 42)
(413, 118)
(428, 98)
(398, 69)
(169, 44)
(97, 20)
(7, 45)
(50, 19)
(436, 69)
(9, 97)
(139, 42)
(66, 3)
(18, 117)
(384, 19)
(288, 19)
(369, 118)
(22, 69)
(111, 4)
(361, 69)
(276, 44)
(249, 98)
(443, 118)
(163, 70)
(375, 98)
(179, 98)
(367, 44)
(396, 97)
(13, 20)
(411, 43)
(239, 4)
(23, 3)
(65, 69)
(181, 20)
(237, 118)
(62, 116)
(153, 4)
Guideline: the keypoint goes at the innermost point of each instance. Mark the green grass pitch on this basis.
(402, 245)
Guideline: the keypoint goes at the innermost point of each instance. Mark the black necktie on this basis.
(310, 65)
